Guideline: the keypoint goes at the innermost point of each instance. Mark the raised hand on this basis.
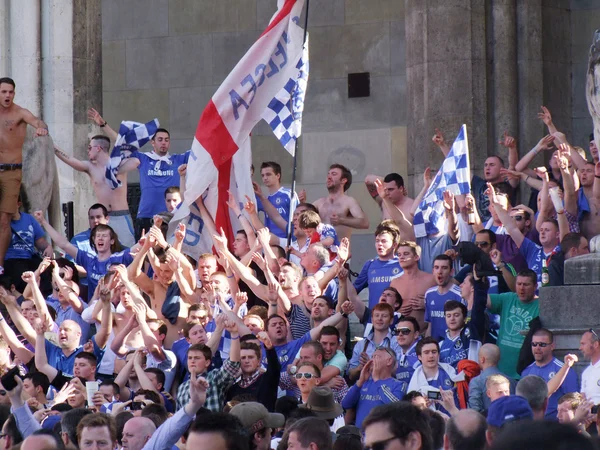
(347, 307)
(366, 372)
(264, 338)
(103, 291)
(451, 253)
(546, 143)
(496, 256)
(449, 201)
(95, 116)
(180, 232)
(344, 250)
(158, 236)
(220, 239)
(173, 262)
(198, 389)
(571, 359)
(121, 271)
(88, 346)
(510, 174)
(438, 138)
(259, 260)
(257, 190)
(28, 277)
(491, 193)
(273, 293)
(343, 275)
(264, 237)
(250, 206)
(6, 297)
(508, 141)
(427, 178)
(545, 116)
(380, 188)
(233, 204)
(46, 262)
(182, 169)
(302, 196)
(241, 298)
(542, 173)
(231, 326)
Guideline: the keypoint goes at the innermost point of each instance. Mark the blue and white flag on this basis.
(453, 176)
(132, 136)
(286, 124)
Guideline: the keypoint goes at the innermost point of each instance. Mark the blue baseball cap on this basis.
(508, 409)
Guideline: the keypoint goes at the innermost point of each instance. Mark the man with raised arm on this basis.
(393, 184)
(13, 126)
(339, 209)
(99, 149)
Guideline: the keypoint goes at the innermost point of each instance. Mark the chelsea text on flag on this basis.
(216, 165)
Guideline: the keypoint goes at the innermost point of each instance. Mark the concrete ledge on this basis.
(567, 307)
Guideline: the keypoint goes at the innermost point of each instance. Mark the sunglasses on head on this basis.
(596, 337)
(403, 331)
(305, 375)
(540, 344)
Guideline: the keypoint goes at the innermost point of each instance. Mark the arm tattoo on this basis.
(61, 153)
(372, 190)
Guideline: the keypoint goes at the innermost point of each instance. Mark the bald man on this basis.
(489, 355)
(137, 432)
(39, 442)
(465, 429)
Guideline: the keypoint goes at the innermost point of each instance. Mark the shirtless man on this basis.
(339, 209)
(414, 283)
(589, 176)
(172, 286)
(13, 125)
(395, 190)
(115, 200)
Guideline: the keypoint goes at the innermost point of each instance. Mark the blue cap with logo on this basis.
(508, 409)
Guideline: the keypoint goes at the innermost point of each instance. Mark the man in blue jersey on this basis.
(376, 385)
(158, 171)
(547, 366)
(437, 296)
(279, 199)
(432, 375)
(407, 333)
(378, 273)
(104, 241)
(460, 333)
(97, 214)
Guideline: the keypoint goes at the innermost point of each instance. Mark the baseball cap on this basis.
(508, 409)
(255, 417)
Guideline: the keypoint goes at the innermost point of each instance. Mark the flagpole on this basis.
(291, 213)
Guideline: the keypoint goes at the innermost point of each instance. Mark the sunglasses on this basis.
(381, 445)
(540, 344)
(402, 331)
(482, 244)
(518, 218)
(304, 375)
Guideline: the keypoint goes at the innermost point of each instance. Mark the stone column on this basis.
(25, 29)
(53, 50)
(446, 79)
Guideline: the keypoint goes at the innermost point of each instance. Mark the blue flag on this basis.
(453, 176)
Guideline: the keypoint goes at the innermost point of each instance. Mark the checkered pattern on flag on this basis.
(285, 123)
(220, 157)
(453, 176)
(132, 136)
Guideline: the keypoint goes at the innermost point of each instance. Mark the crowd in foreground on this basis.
(125, 341)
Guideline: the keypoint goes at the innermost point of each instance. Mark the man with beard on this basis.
(338, 209)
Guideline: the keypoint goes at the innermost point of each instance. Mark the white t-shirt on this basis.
(590, 382)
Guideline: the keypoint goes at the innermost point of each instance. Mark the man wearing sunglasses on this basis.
(547, 367)
(407, 334)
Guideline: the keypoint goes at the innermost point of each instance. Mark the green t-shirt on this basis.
(514, 317)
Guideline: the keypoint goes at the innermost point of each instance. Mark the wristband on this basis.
(344, 315)
(234, 338)
(167, 247)
(229, 276)
(526, 178)
(104, 124)
(273, 304)
(239, 215)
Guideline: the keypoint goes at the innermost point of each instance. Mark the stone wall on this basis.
(171, 58)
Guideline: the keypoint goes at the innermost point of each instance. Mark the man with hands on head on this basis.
(376, 385)
(105, 242)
